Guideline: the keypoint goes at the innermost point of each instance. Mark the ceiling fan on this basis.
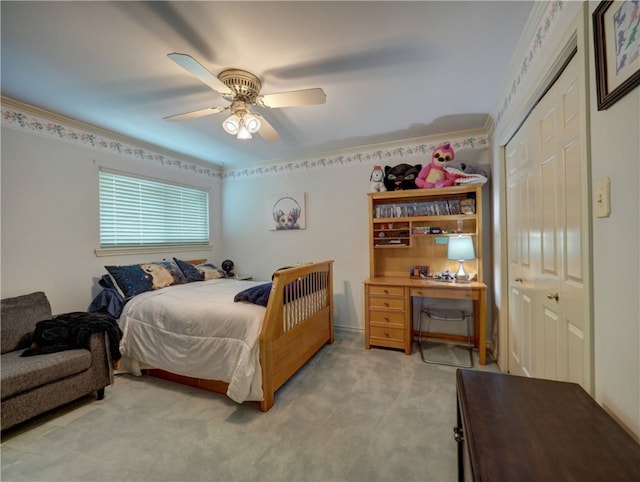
(242, 90)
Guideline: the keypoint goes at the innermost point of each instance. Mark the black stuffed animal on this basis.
(401, 177)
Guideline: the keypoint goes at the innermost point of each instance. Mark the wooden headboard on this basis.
(197, 261)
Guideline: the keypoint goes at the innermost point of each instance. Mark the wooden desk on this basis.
(528, 429)
(389, 311)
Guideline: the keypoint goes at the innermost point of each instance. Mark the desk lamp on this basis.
(461, 248)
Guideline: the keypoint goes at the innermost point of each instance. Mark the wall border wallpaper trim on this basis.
(412, 150)
(409, 151)
(504, 103)
(18, 119)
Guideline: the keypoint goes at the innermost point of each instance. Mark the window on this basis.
(136, 212)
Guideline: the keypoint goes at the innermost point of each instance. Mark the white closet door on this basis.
(548, 328)
(574, 230)
(521, 220)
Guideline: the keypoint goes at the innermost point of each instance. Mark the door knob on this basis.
(518, 280)
(553, 296)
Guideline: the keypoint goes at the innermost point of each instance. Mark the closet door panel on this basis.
(573, 226)
(547, 202)
(575, 233)
(551, 211)
(552, 345)
(521, 234)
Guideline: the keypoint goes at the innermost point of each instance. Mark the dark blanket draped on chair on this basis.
(73, 330)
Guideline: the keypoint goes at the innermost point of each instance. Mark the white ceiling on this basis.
(390, 70)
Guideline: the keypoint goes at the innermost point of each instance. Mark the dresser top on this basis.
(520, 428)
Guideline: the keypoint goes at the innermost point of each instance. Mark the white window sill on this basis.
(150, 249)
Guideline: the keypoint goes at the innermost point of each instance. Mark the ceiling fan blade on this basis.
(351, 62)
(293, 98)
(195, 68)
(194, 114)
(267, 131)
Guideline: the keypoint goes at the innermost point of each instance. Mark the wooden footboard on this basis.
(298, 322)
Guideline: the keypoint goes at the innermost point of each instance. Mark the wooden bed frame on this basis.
(297, 323)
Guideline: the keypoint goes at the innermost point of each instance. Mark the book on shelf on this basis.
(441, 207)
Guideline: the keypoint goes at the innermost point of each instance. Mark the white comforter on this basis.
(197, 330)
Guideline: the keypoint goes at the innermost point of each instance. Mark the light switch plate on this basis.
(602, 198)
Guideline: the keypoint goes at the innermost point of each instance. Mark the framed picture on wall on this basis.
(288, 211)
(616, 36)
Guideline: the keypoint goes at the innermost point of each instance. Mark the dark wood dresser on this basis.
(521, 429)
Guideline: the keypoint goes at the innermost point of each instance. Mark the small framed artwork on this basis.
(616, 35)
(288, 211)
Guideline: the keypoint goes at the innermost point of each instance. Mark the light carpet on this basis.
(349, 414)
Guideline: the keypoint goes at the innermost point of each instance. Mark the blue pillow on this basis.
(190, 272)
(138, 278)
(258, 295)
(210, 271)
(132, 280)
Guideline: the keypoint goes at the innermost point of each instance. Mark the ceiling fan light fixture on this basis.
(242, 90)
(231, 125)
(243, 132)
(252, 123)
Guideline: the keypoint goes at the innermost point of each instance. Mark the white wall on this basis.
(51, 227)
(50, 219)
(336, 228)
(615, 153)
(337, 224)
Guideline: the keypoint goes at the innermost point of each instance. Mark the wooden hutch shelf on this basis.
(409, 229)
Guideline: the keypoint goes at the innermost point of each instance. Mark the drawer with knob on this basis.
(386, 318)
(386, 323)
(377, 302)
(387, 336)
(376, 290)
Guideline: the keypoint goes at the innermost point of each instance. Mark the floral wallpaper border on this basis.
(399, 152)
(410, 153)
(16, 119)
(552, 13)
(406, 151)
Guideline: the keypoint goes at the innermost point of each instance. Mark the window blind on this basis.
(140, 212)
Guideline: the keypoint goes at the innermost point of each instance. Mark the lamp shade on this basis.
(243, 132)
(231, 124)
(252, 123)
(461, 248)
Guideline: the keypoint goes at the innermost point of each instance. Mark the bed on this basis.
(194, 333)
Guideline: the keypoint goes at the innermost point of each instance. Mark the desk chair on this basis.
(450, 316)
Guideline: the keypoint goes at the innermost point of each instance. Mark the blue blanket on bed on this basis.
(258, 295)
